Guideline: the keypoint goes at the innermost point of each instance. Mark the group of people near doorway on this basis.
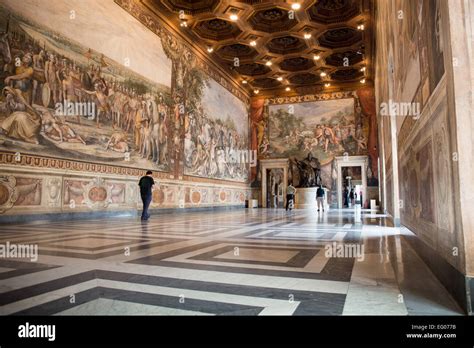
(290, 197)
(350, 197)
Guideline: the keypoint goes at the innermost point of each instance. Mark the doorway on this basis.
(275, 188)
(351, 185)
(357, 178)
(274, 196)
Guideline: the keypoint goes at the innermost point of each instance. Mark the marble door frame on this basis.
(279, 163)
(351, 161)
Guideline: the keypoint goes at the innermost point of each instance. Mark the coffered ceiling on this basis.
(275, 49)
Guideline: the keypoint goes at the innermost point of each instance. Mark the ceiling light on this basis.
(287, 89)
(244, 82)
(256, 91)
(361, 27)
(362, 69)
(210, 49)
(280, 78)
(234, 17)
(327, 84)
(307, 36)
(323, 74)
(253, 43)
(316, 57)
(268, 63)
(183, 23)
(362, 81)
(295, 6)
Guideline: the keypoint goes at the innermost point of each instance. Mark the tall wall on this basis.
(326, 125)
(97, 92)
(421, 146)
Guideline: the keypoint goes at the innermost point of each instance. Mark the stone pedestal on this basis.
(305, 198)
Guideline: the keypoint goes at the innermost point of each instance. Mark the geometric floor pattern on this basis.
(240, 262)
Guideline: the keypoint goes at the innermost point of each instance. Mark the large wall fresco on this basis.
(323, 125)
(407, 55)
(326, 129)
(73, 89)
(217, 135)
(149, 90)
(432, 27)
(62, 97)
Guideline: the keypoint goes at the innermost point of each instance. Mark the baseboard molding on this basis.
(193, 209)
(29, 218)
(460, 286)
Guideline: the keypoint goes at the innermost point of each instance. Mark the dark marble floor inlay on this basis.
(227, 262)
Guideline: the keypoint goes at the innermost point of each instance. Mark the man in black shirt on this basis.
(146, 183)
(320, 197)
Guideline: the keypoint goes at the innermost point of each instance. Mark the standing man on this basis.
(290, 196)
(146, 184)
(320, 197)
(345, 196)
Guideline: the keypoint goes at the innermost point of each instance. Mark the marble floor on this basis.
(238, 262)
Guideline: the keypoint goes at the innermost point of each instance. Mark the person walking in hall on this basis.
(351, 197)
(320, 197)
(146, 186)
(290, 196)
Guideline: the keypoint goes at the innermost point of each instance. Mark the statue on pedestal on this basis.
(309, 171)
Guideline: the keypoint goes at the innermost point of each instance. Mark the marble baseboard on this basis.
(194, 209)
(458, 284)
(470, 285)
(15, 219)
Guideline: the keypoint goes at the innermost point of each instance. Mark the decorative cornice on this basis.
(200, 180)
(10, 158)
(310, 97)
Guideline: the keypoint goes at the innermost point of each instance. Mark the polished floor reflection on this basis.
(241, 262)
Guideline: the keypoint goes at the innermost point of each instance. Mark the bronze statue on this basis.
(309, 171)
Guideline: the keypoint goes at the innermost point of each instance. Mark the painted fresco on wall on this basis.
(216, 134)
(62, 98)
(415, 33)
(366, 96)
(323, 128)
(425, 158)
(432, 19)
(407, 57)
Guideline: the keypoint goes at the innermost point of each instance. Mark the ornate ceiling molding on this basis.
(264, 39)
(333, 11)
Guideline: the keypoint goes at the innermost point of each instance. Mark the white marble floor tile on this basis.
(104, 306)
